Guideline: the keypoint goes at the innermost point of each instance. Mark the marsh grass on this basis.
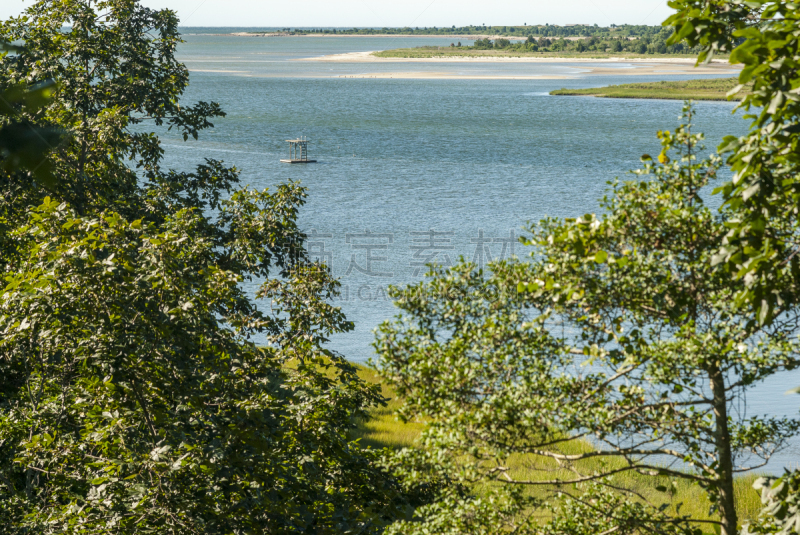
(383, 430)
(704, 89)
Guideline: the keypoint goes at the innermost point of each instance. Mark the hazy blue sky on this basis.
(400, 13)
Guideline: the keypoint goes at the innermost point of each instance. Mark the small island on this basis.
(704, 89)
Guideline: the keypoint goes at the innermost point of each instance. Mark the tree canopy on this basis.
(619, 331)
(762, 243)
(132, 396)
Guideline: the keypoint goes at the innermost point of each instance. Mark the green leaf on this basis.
(600, 257)
(684, 31)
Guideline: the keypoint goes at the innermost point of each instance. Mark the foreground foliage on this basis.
(762, 243)
(128, 407)
(781, 498)
(133, 398)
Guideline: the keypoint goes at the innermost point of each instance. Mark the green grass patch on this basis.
(383, 430)
(705, 89)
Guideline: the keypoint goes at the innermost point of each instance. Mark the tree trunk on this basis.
(722, 441)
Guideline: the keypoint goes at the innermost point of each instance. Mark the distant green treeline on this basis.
(647, 44)
(626, 38)
(650, 44)
(546, 30)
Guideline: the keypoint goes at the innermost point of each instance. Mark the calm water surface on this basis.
(418, 170)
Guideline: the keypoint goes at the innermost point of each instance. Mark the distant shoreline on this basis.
(438, 36)
(471, 36)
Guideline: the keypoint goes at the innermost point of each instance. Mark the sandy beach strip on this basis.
(666, 69)
(370, 57)
(218, 70)
(423, 75)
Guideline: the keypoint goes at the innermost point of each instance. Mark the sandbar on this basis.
(624, 66)
(369, 57)
(424, 75)
(216, 70)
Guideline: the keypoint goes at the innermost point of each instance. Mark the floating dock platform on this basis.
(298, 151)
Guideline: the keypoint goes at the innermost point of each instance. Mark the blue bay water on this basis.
(409, 168)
